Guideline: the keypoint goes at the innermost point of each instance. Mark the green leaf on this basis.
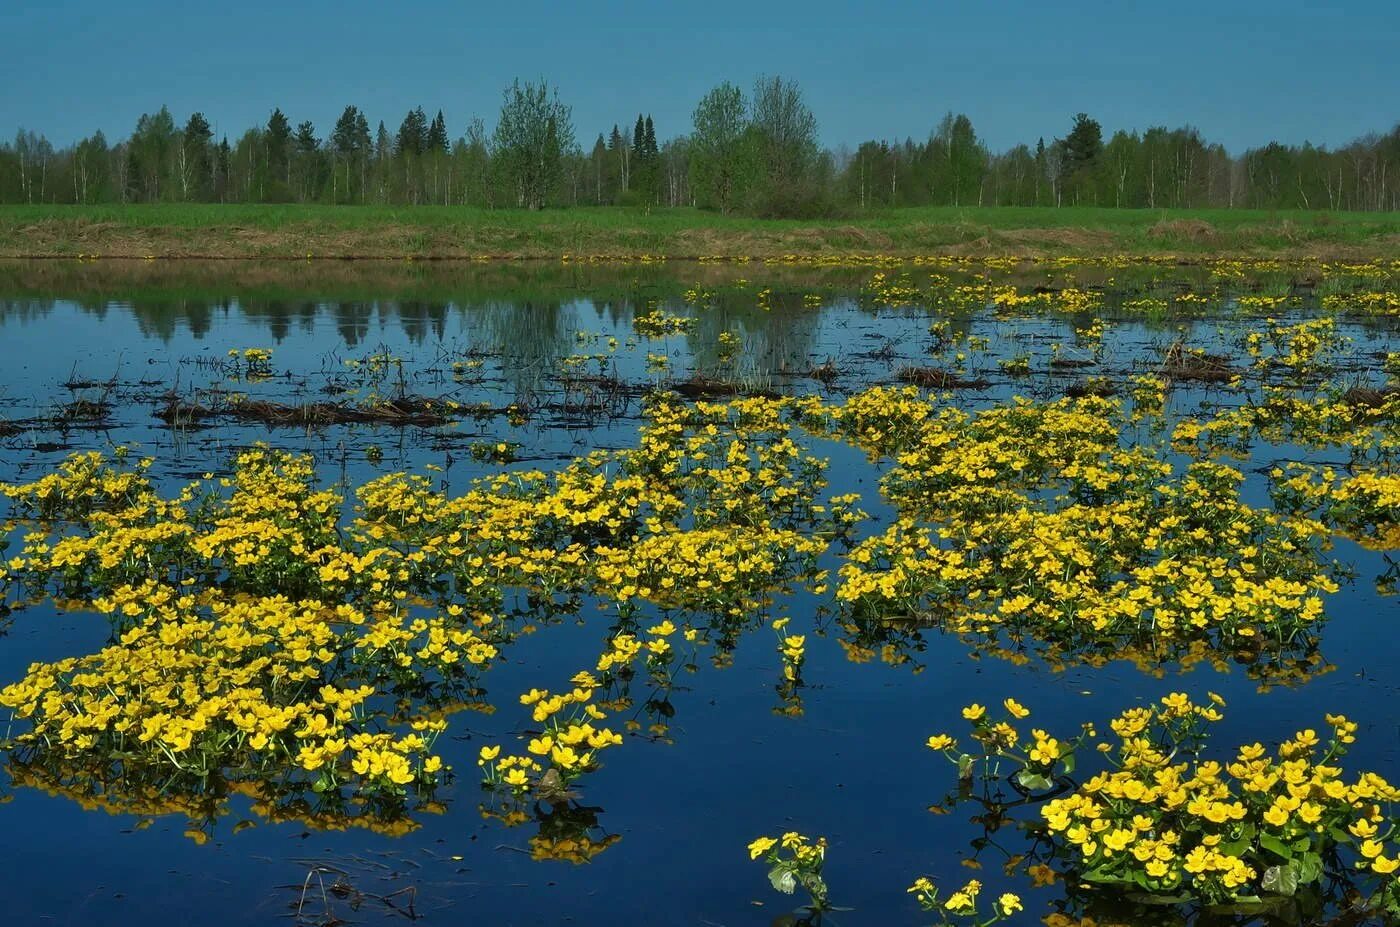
(1100, 875)
(1281, 880)
(782, 879)
(1068, 760)
(1240, 844)
(1275, 846)
(1235, 847)
(1309, 868)
(1034, 781)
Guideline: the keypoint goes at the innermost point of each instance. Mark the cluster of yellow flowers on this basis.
(653, 322)
(1365, 505)
(1126, 552)
(266, 639)
(961, 905)
(1163, 820)
(204, 686)
(792, 648)
(795, 861)
(251, 363)
(1301, 349)
(569, 743)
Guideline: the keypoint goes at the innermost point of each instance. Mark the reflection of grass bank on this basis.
(293, 232)
(372, 281)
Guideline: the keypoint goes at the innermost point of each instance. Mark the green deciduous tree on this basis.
(719, 163)
(149, 153)
(534, 132)
(784, 131)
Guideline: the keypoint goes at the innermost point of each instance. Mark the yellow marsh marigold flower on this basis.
(760, 846)
(964, 899)
(1008, 904)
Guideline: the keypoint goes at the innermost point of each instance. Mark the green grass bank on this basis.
(435, 232)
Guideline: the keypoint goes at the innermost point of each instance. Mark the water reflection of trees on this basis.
(528, 337)
(25, 310)
(772, 342)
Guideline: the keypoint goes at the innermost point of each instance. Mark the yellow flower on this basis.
(760, 846)
(1016, 709)
(973, 712)
(1008, 904)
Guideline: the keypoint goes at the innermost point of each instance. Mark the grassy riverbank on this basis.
(428, 232)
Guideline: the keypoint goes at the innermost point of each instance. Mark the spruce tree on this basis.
(413, 133)
(279, 136)
(307, 160)
(223, 159)
(437, 134)
(1083, 143)
(344, 134)
(650, 150)
(362, 132)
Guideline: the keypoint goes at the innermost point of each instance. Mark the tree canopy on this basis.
(757, 153)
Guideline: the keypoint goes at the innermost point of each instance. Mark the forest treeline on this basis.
(752, 153)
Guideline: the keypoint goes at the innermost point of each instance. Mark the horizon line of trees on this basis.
(753, 153)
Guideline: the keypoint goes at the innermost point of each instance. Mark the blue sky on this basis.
(1243, 72)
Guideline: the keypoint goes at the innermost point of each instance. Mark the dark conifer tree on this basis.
(650, 151)
(437, 134)
(279, 136)
(197, 165)
(222, 159)
(306, 160)
(1083, 143)
(343, 135)
(413, 133)
(306, 142)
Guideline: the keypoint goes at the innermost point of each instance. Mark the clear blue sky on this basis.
(1242, 71)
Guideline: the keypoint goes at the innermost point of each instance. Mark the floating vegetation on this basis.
(507, 566)
(1163, 825)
